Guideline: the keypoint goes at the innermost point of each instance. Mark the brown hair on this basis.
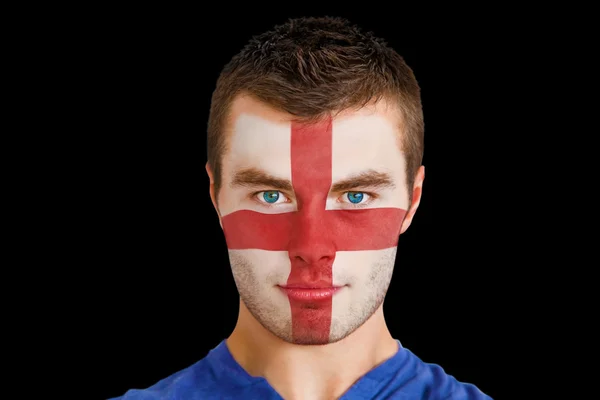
(313, 67)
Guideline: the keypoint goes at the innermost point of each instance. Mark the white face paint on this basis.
(363, 142)
(259, 143)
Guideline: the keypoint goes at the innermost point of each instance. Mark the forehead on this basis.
(260, 137)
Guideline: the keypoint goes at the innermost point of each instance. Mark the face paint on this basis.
(312, 269)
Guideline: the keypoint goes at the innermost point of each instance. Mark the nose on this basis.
(312, 241)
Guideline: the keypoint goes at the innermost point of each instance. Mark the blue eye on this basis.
(355, 197)
(271, 196)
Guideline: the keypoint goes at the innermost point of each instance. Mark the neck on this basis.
(310, 372)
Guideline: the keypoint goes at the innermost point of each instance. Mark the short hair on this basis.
(312, 67)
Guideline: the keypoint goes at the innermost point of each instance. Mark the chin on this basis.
(310, 341)
(314, 340)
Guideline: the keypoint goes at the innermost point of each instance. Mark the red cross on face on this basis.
(313, 232)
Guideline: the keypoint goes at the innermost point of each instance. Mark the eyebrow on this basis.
(368, 179)
(253, 177)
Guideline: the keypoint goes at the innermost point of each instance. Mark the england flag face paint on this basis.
(312, 214)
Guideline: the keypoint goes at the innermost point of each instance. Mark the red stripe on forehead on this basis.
(311, 152)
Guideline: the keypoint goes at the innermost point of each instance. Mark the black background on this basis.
(155, 286)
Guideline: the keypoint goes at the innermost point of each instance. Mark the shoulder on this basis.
(443, 386)
(206, 379)
(190, 382)
(413, 378)
(216, 376)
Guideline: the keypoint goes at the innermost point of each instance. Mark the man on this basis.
(315, 143)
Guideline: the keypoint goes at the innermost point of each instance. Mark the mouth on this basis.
(309, 293)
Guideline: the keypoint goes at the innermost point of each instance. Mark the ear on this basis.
(213, 197)
(416, 199)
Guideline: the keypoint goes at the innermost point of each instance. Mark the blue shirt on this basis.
(218, 376)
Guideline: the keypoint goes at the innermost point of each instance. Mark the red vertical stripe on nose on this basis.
(311, 249)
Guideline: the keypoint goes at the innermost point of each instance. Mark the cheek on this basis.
(368, 274)
(364, 270)
(255, 270)
(256, 274)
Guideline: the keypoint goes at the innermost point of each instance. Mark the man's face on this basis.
(311, 215)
